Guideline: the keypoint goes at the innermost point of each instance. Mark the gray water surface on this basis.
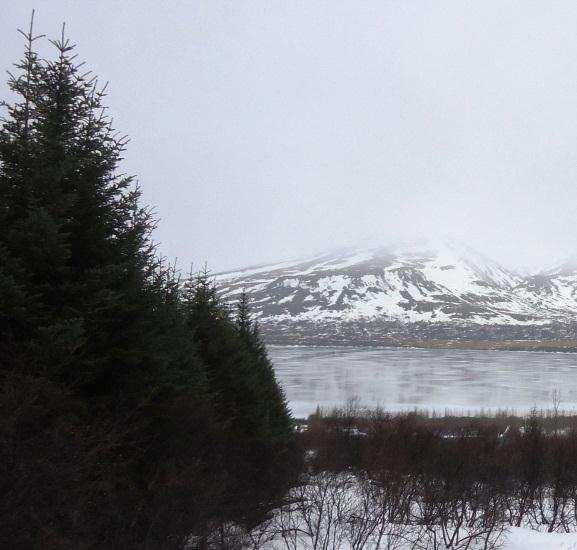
(401, 379)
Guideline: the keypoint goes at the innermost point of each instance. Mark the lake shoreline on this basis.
(404, 378)
(550, 346)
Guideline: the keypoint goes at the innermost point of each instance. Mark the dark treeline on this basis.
(136, 411)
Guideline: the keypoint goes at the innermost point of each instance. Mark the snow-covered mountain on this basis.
(554, 291)
(405, 283)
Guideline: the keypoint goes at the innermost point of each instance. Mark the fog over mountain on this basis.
(424, 280)
(425, 289)
(279, 129)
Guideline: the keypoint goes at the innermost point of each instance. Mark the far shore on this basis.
(565, 346)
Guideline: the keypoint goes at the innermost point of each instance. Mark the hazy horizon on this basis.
(264, 131)
(420, 244)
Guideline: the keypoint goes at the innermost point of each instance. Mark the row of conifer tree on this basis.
(136, 410)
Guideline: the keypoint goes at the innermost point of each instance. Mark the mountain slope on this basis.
(553, 291)
(414, 282)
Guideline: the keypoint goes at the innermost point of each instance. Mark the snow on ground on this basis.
(517, 538)
(521, 538)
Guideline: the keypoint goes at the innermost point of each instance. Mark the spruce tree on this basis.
(162, 412)
(232, 381)
(274, 409)
(90, 319)
(18, 306)
(260, 460)
(73, 237)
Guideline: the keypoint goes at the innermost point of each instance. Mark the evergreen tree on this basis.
(274, 409)
(18, 306)
(88, 313)
(75, 242)
(231, 380)
(162, 414)
(261, 460)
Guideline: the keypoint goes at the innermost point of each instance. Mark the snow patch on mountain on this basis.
(408, 282)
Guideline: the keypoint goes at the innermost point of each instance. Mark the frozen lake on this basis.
(400, 379)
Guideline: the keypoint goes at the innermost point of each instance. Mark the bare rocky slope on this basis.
(406, 294)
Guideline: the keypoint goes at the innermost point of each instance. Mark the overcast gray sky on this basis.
(269, 129)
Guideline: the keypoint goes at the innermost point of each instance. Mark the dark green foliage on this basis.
(273, 405)
(135, 412)
(230, 378)
(240, 373)
(248, 403)
(73, 228)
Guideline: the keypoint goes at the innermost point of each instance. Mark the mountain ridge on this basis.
(405, 283)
